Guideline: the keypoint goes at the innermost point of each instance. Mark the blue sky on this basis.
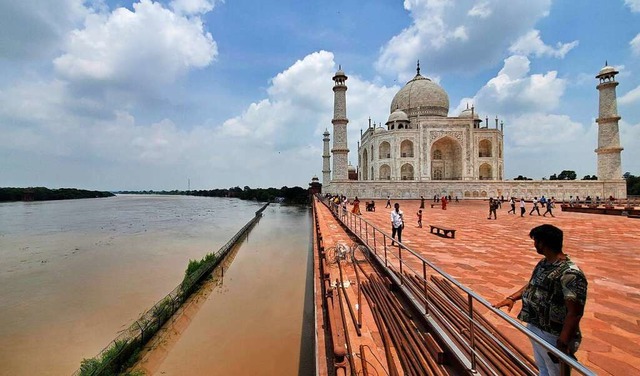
(148, 94)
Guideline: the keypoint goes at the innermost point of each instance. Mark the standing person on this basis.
(550, 205)
(420, 218)
(356, 206)
(522, 209)
(553, 300)
(421, 202)
(512, 201)
(388, 202)
(444, 202)
(493, 206)
(535, 206)
(397, 223)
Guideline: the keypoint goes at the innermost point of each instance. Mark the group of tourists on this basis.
(546, 203)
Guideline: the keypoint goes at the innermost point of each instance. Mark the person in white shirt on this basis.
(397, 223)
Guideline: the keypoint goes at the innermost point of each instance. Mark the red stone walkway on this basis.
(496, 257)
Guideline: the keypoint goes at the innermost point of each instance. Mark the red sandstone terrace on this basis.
(495, 258)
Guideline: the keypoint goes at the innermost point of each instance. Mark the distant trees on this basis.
(592, 177)
(294, 195)
(44, 194)
(520, 177)
(564, 175)
(633, 184)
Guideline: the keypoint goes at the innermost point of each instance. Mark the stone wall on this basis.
(476, 189)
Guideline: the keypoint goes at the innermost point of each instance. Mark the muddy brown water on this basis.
(252, 319)
(75, 273)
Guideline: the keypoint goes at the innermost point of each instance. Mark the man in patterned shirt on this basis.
(553, 300)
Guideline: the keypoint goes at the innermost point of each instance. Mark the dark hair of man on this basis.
(549, 235)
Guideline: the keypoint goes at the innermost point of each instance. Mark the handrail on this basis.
(356, 224)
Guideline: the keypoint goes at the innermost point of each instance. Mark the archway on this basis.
(385, 172)
(406, 171)
(365, 164)
(485, 172)
(446, 159)
(384, 150)
(406, 149)
(484, 148)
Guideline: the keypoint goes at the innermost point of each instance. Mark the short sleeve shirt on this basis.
(543, 301)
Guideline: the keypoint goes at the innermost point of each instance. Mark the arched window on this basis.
(371, 153)
(485, 172)
(385, 172)
(438, 174)
(484, 148)
(437, 154)
(384, 150)
(406, 171)
(365, 165)
(406, 149)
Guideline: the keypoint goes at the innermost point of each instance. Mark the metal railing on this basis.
(401, 261)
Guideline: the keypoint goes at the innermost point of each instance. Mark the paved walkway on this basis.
(496, 257)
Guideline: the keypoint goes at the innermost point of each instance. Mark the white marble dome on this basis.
(398, 115)
(422, 93)
(607, 70)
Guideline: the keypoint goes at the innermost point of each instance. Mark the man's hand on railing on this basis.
(507, 302)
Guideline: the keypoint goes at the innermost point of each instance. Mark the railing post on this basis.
(375, 246)
(385, 251)
(426, 290)
(472, 338)
(400, 258)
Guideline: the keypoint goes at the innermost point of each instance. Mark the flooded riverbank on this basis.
(74, 273)
(252, 320)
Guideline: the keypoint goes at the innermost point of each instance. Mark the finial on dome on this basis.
(606, 63)
(467, 105)
(418, 69)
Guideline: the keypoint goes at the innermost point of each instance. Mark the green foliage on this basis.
(590, 177)
(43, 194)
(520, 177)
(110, 363)
(567, 175)
(633, 184)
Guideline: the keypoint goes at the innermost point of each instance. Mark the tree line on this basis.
(44, 194)
(289, 195)
(633, 182)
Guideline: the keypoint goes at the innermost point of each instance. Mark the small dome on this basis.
(607, 70)
(398, 115)
(467, 114)
(380, 129)
(422, 93)
(350, 168)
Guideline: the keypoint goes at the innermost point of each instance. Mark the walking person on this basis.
(553, 300)
(512, 201)
(420, 218)
(397, 223)
(550, 206)
(535, 206)
(493, 206)
(388, 202)
(522, 209)
(421, 202)
(444, 202)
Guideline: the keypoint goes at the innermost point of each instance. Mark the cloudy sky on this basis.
(118, 94)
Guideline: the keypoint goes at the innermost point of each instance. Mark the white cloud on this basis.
(635, 45)
(631, 97)
(481, 10)
(444, 35)
(148, 46)
(532, 44)
(188, 7)
(514, 91)
(634, 5)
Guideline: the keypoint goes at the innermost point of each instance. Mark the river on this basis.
(75, 273)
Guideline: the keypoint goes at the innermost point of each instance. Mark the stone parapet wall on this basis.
(477, 189)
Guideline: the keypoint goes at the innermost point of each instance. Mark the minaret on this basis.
(609, 163)
(340, 150)
(326, 167)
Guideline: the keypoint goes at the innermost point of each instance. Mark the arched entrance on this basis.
(406, 171)
(446, 159)
(485, 172)
(365, 165)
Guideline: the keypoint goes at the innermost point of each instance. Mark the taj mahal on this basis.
(422, 151)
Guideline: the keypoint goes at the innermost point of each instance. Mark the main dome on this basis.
(421, 93)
